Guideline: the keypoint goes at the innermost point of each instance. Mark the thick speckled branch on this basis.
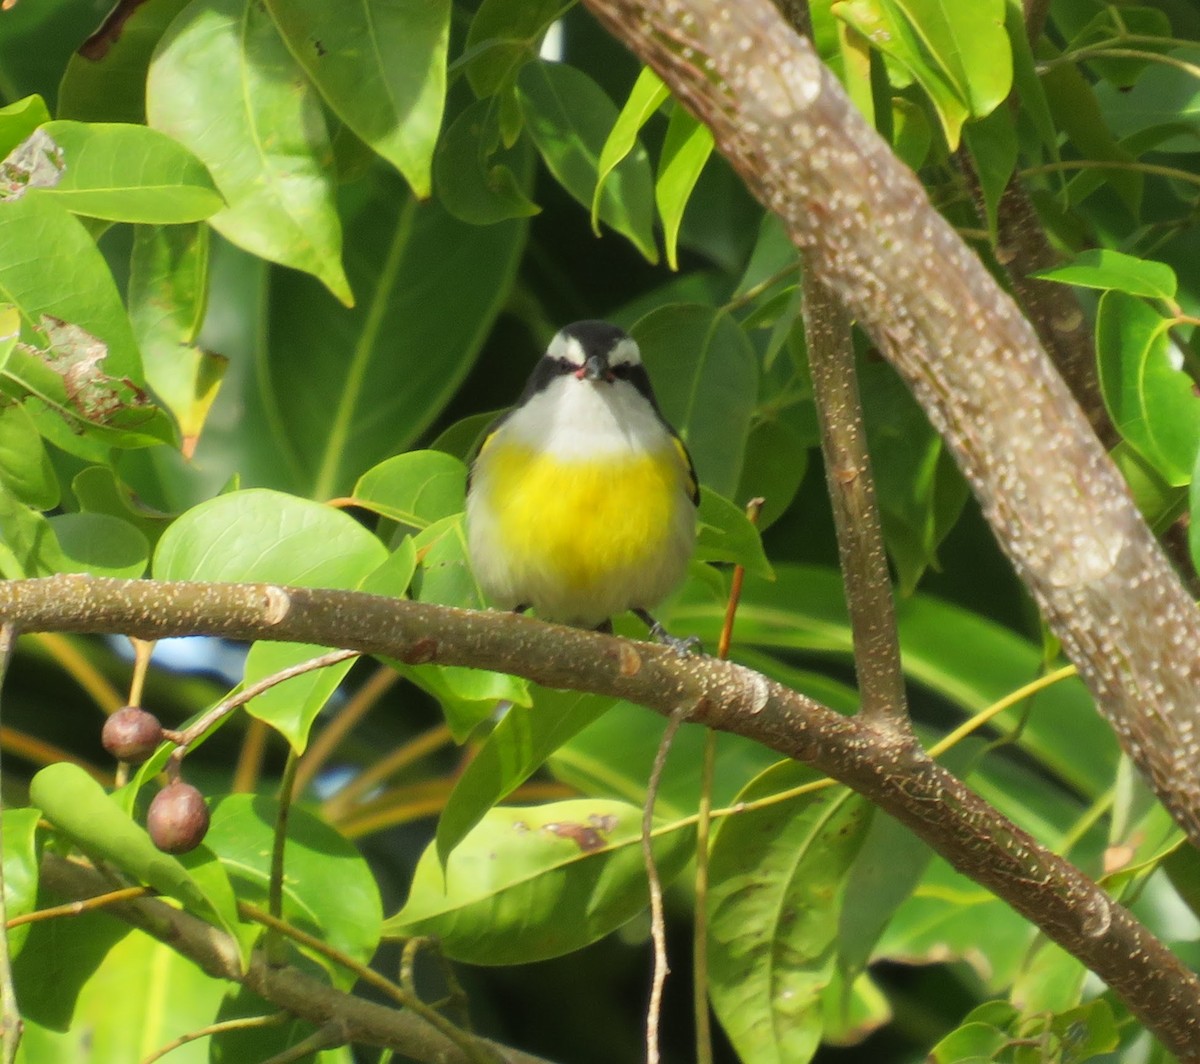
(1056, 503)
(885, 765)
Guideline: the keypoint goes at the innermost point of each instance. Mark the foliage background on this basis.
(453, 300)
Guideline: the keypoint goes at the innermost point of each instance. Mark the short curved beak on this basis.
(595, 369)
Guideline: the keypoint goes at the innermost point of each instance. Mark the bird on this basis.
(582, 499)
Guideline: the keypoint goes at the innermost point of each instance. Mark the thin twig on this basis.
(471, 1046)
(855, 513)
(10, 1022)
(242, 1023)
(78, 908)
(239, 698)
(658, 928)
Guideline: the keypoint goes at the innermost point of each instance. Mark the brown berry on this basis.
(178, 818)
(131, 734)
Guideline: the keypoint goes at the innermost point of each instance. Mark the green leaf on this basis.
(516, 748)
(349, 388)
(1102, 268)
(328, 889)
(467, 696)
(28, 547)
(919, 489)
(19, 119)
(973, 1043)
(20, 870)
(266, 536)
(100, 545)
(646, 96)
(569, 117)
(98, 491)
(168, 295)
(1076, 110)
(474, 181)
(414, 489)
(993, 145)
(686, 149)
(968, 42)
(381, 67)
(528, 884)
(776, 880)
(775, 464)
(259, 130)
(912, 135)
(127, 173)
(727, 535)
(161, 994)
(25, 467)
(1151, 402)
(1164, 95)
(504, 34)
(949, 918)
(78, 806)
(67, 279)
(1030, 90)
(74, 399)
(886, 25)
(706, 377)
(107, 83)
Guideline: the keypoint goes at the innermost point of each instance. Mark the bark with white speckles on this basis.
(1057, 504)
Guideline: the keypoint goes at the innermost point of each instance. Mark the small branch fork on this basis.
(889, 769)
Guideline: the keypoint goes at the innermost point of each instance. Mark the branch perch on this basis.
(887, 767)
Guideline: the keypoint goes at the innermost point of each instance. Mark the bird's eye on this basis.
(622, 371)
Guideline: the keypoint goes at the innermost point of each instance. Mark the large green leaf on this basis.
(128, 173)
(258, 128)
(569, 117)
(107, 83)
(1166, 94)
(527, 884)
(381, 67)
(1151, 401)
(346, 389)
(168, 296)
(328, 890)
(79, 807)
(776, 877)
(25, 467)
(516, 748)
(706, 378)
(19, 119)
(49, 266)
(645, 98)
(142, 995)
(20, 870)
(504, 34)
(685, 150)
(1106, 269)
(260, 535)
(414, 489)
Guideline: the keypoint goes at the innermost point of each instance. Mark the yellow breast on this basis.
(583, 539)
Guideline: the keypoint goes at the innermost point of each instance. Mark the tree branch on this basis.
(855, 515)
(1056, 503)
(355, 1019)
(888, 768)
